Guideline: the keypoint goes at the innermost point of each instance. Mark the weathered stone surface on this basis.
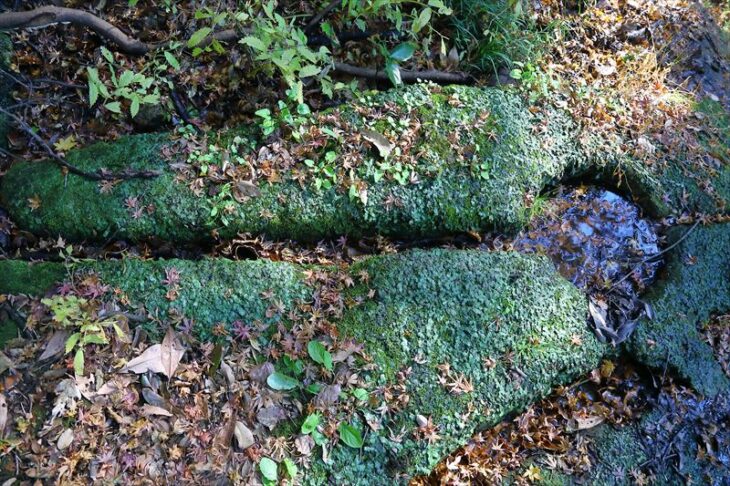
(696, 285)
(430, 308)
(487, 183)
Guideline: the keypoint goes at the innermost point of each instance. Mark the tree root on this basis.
(50, 15)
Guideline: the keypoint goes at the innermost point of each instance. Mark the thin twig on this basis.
(99, 175)
(407, 76)
(314, 22)
(655, 255)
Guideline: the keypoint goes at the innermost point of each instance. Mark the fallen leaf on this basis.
(65, 439)
(158, 358)
(171, 353)
(583, 423)
(244, 190)
(3, 416)
(148, 410)
(384, 146)
(65, 144)
(56, 345)
(244, 436)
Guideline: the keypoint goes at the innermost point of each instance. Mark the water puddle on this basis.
(599, 241)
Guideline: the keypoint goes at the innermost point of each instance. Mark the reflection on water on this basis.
(599, 241)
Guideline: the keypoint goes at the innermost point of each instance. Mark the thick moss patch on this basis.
(481, 179)
(696, 285)
(431, 309)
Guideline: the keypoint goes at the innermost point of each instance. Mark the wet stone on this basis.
(600, 242)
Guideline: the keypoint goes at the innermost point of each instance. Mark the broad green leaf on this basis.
(172, 61)
(198, 36)
(107, 54)
(71, 341)
(291, 468)
(94, 339)
(126, 78)
(93, 93)
(317, 351)
(269, 469)
(255, 43)
(79, 362)
(309, 70)
(310, 423)
(134, 107)
(350, 435)
(360, 394)
(118, 330)
(422, 20)
(393, 71)
(403, 52)
(114, 107)
(280, 381)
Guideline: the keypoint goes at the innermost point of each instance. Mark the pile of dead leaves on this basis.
(556, 426)
(717, 335)
(198, 412)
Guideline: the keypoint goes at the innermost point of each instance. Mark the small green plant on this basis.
(125, 85)
(75, 314)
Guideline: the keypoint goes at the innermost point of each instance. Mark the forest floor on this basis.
(648, 71)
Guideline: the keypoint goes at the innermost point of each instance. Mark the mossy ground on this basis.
(695, 286)
(487, 186)
(431, 308)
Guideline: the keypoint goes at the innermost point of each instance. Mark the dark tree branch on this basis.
(99, 175)
(50, 15)
(314, 22)
(406, 75)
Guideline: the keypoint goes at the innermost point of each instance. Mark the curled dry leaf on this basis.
(3, 415)
(384, 146)
(158, 358)
(244, 436)
(65, 439)
(148, 410)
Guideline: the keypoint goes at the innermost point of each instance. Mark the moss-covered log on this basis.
(430, 308)
(695, 286)
(463, 159)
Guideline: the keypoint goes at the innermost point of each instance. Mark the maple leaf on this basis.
(34, 202)
(532, 474)
(65, 144)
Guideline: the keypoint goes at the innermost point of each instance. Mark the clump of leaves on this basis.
(136, 88)
(76, 314)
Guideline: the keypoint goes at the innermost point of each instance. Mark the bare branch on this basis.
(99, 175)
(407, 76)
(50, 15)
(318, 18)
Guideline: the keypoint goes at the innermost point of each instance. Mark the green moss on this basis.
(430, 308)
(695, 286)
(23, 278)
(460, 307)
(449, 198)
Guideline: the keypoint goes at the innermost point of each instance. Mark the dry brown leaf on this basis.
(158, 358)
(65, 439)
(3, 416)
(171, 353)
(56, 345)
(384, 146)
(244, 436)
(148, 410)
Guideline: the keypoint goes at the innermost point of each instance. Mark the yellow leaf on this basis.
(532, 473)
(34, 202)
(65, 144)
